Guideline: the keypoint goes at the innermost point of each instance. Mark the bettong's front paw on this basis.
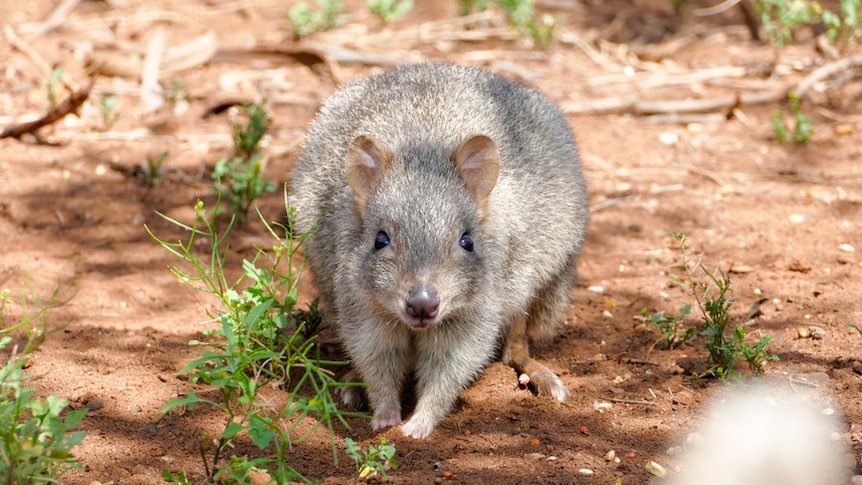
(385, 419)
(419, 426)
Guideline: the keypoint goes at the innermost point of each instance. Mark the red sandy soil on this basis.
(781, 219)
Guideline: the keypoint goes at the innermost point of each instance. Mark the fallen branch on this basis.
(35, 58)
(631, 104)
(655, 79)
(57, 18)
(68, 106)
(826, 70)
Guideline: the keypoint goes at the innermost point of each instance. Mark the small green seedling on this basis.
(671, 327)
(247, 137)
(54, 81)
(176, 92)
(108, 109)
(521, 15)
(240, 178)
(853, 325)
(844, 28)
(803, 129)
(713, 298)
(466, 7)
(518, 12)
(781, 17)
(242, 182)
(543, 31)
(388, 11)
(305, 21)
(376, 459)
(152, 174)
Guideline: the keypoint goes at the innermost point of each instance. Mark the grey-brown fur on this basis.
(413, 153)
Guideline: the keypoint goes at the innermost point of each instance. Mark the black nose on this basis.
(423, 303)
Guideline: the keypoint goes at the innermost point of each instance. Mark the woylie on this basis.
(452, 210)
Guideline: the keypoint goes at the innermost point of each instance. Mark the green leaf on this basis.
(232, 430)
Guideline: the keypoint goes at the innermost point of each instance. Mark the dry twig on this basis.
(68, 106)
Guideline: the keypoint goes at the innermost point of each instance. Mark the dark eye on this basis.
(466, 242)
(382, 240)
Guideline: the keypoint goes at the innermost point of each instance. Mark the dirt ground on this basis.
(784, 220)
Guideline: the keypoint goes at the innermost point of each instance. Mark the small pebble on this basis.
(655, 469)
(803, 332)
(683, 397)
(796, 218)
(535, 442)
(535, 456)
(847, 248)
(585, 431)
(668, 138)
(843, 129)
(447, 475)
(95, 404)
(673, 450)
(611, 455)
(596, 289)
(828, 412)
(585, 471)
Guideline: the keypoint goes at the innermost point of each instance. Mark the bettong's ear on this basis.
(366, 163)
(478, 161)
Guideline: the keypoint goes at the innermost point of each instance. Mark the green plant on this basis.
(54, 80)
(388, 11)
(853, 325)
(781, 17)
(258, 342)
(305, 21)
(520, 14)
(242, 181)
(373, 460)
(108, 109)
(466, 7)
(178, 478)
(803, 129)
(724, 352)
(36, 442)
(671, 327)
(247, 137)
(176, 92)
(543, 31)
(241, 177)
(152, 173)
(845, 27)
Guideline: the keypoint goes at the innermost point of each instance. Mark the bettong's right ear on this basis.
(366, 163)
(478, 161)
